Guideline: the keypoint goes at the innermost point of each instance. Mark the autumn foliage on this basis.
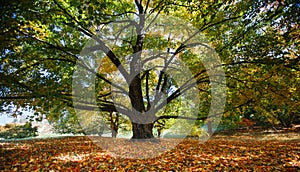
(81, 154)
(246, 122)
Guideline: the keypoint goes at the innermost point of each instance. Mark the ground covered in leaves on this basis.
(221, 153)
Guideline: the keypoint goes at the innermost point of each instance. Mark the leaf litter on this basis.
(85, 154)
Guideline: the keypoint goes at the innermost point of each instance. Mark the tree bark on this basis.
(142, 131)
(114, 126)
(209, 127)
(114, 133)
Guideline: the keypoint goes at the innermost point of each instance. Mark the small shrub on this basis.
(8, 126)
(18, 131)
(198, 133)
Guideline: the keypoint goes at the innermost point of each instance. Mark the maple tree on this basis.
(41, 44)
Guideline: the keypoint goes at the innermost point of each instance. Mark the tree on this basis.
(41, 59)
(267, 75)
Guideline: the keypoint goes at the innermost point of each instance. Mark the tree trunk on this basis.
(209, 127)
(114, 133)
(141, 124)
(114, 126)
(101, 131)
(158, 133)
(142, 131)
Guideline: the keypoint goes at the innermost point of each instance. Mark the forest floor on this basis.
(226, 151)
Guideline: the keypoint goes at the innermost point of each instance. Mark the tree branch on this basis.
(147, 91)
(83, 29)
(200, 118)
(110, 55)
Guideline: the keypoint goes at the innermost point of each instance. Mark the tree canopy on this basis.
(61, 56)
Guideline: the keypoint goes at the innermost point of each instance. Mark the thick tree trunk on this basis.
(141, 124)
(142, 131)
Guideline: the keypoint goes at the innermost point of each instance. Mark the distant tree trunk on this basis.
(114, 134)
(101, 130)
(158, 133)
(142, 131)
(114, 124)
(209, 128)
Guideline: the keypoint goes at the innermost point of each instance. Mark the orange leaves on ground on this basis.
(81, 154)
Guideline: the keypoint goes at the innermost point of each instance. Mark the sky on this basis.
(4, 119)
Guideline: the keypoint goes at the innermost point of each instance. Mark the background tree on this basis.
(265, 79)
